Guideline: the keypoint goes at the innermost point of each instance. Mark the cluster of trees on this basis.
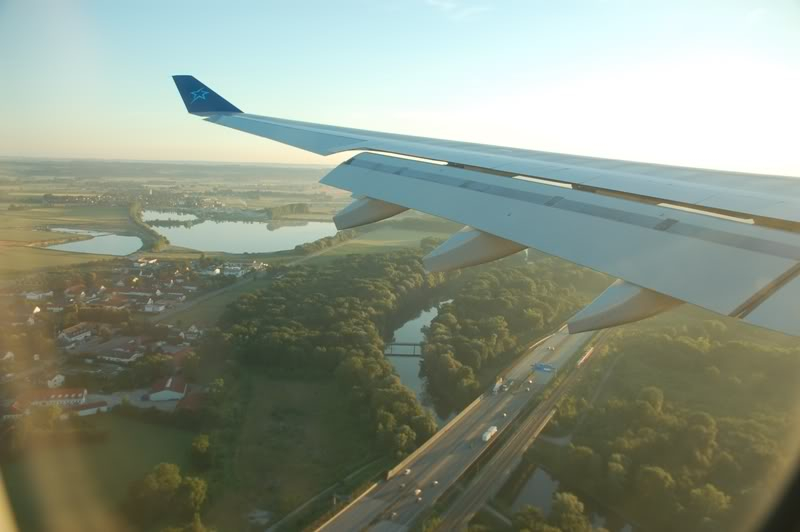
(329, 241)
(566, 515)
(330, 319)
(498, 311)
(696, 429)
(164, 495)
(152, 240)
(289, 208)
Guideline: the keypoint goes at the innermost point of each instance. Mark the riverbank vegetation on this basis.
(152, 240)
(494, 316)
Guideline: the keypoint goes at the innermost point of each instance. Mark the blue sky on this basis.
(704, 83)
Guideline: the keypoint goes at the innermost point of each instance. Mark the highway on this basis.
(392, 506)
(494, 474)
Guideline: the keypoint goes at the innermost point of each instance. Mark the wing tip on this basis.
(199, 99)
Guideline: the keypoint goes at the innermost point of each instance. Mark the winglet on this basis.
(201, 100)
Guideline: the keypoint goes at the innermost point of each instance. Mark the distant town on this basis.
(91, 328)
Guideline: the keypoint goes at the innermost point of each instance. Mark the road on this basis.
(494, 474)
(392, 506)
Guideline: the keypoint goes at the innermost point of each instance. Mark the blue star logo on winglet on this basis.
(199, 94)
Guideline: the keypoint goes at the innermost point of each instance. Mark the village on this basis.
(89, 341)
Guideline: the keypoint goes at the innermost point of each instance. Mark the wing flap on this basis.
(714, 263)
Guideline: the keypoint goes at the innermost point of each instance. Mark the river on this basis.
(539, 490)
(408, 367)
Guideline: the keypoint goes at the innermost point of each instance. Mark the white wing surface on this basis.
(725, 241)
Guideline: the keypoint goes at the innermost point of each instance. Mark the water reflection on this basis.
(100, 243)
(240, 237)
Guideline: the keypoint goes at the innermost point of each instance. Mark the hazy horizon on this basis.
(710, 86)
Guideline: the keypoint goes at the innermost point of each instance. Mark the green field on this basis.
(20, 229)
(297, 439)
(88, 481)
(24, 259)
(87, 216)
(381, 240)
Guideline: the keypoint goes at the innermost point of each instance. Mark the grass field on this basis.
(20, 229)
(88, 481)
(381, 240)
(297, 439)
(100, 218)
(24, 259)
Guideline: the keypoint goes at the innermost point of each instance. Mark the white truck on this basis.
(491, 431)
(497, 386)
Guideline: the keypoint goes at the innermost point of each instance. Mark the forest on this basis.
(685, 424)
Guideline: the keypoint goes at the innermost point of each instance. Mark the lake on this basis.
(241, 237)
(100, 243)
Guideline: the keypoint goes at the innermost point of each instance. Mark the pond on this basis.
(407, 367)
(539, 490)
(243, 237)
(100, 243)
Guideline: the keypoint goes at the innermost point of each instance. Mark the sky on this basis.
(712, 83)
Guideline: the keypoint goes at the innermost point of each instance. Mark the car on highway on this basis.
(407, 472)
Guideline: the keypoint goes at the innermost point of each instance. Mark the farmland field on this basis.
(297, 439)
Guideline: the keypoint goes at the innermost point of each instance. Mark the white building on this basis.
(38, 296)
(150, 306)
(76, 333)
(56, 382)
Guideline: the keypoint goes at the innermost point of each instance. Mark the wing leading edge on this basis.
(657, 227)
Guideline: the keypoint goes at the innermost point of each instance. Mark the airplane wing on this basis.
(725, 241)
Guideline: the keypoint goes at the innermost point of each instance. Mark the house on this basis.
(154, 307)
(117, 302)
(74, 290)
(89, 409)
(47, 397)
(11, 412)
(193, 333)
(168, 389)
(76, 333)
(56, 382)
(121, 349)
(38, 296)
(233, 271)
(9, 356)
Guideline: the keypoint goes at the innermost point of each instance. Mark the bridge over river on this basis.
(403, 349)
